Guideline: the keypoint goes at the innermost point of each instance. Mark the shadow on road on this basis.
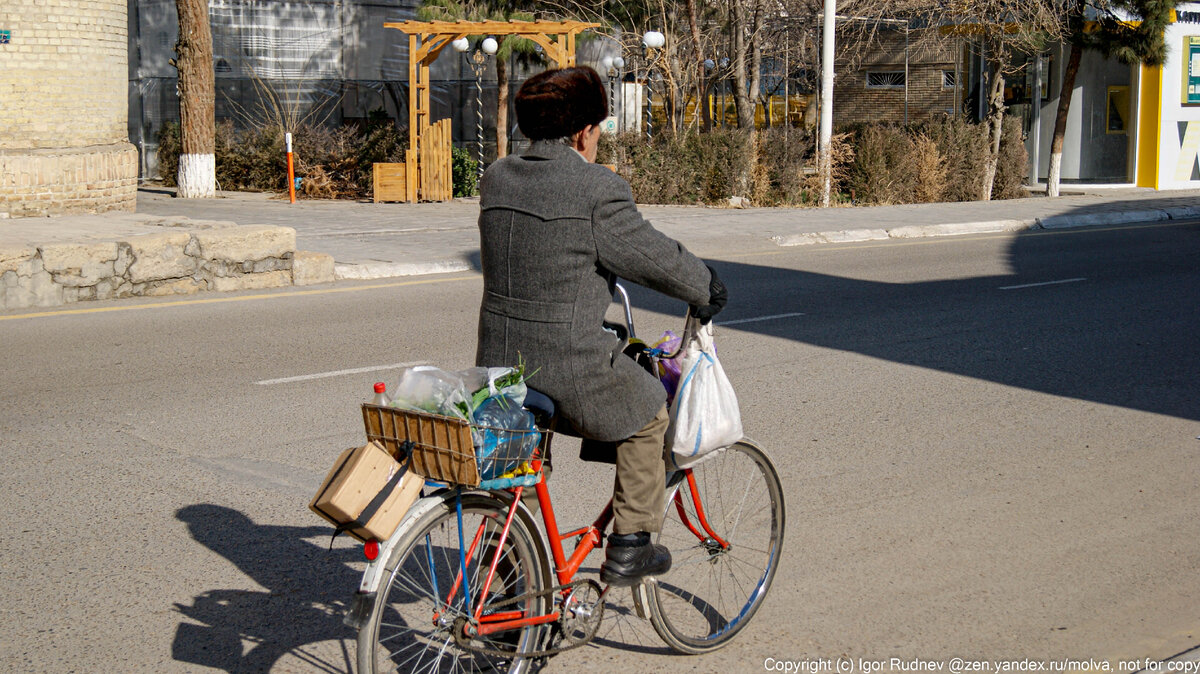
(1111, 318)
(307, 587)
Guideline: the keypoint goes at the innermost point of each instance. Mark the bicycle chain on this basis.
(464, 641)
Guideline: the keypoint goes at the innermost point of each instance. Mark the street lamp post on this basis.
(612, 66)
(478, 60)
(653, 42)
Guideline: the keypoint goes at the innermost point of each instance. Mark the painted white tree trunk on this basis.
(197, 177)
(1054, 175)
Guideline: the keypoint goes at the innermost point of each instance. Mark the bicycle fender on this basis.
(375, 572)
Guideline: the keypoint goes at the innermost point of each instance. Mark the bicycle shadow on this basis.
(305, 597)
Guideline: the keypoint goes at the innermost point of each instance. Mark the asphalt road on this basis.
(988, 446)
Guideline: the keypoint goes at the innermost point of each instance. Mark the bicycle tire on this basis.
(711, 592)
(402, 633)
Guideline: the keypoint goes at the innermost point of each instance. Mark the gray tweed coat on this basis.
(555, 232)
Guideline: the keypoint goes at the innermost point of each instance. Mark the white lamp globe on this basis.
(461, 44)
(619, 62)
(654, 39)
(490, 46)
(606, 62)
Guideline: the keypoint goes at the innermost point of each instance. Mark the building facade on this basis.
(1127, 125)
(899, 77)
(63, 140)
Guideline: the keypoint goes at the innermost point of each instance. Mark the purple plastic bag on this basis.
(668, 368)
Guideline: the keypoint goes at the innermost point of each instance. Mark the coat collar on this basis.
(550, 149)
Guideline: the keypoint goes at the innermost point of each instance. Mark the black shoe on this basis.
(631, 557)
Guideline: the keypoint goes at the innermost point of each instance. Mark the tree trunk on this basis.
(995, 124)
(701, 74)
(1054, 175)
(755, 65)
(197, 126)
(501, 108)
(741, 82)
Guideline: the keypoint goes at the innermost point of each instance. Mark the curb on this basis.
(378, 270)
(906, 232)
(991, 226)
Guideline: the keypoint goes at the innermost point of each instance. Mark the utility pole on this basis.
(826, 158)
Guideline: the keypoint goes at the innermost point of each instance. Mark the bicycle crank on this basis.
(577, 610)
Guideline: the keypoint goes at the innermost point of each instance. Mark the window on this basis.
(949, 79)
(893, 79)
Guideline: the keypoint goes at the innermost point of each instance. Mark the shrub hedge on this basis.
(873, 164)
(332, 163)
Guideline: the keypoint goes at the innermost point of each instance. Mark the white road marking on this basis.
(759, 318)
(1046, 283)
(337, 373)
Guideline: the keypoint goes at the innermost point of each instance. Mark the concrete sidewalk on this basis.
(240, 240)
(370, 240)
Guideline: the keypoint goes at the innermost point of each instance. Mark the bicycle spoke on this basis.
(406, 637)
(711, 592)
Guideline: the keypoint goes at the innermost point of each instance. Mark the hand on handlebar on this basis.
(718, 296)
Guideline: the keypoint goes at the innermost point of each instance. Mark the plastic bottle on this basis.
(380, 394)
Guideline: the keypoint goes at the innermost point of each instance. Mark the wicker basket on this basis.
(441, 447)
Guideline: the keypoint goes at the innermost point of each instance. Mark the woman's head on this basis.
(560, 103)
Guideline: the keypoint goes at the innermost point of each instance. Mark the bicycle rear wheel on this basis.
(721, 573)
(411, 627)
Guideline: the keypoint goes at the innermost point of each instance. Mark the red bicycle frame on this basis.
(565, 567)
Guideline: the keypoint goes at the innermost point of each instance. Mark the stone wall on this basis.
(63, 122)
(171, 262)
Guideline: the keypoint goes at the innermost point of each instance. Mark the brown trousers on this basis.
(639, 490)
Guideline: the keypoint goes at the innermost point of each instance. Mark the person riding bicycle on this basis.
(556, 231)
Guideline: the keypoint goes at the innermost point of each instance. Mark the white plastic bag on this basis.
(704, 414)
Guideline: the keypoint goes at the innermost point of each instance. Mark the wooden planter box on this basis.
(390, 182)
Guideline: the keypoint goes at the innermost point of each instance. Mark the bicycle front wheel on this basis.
(724, 528)
(412, 625)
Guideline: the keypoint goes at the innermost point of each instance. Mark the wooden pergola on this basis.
(427, 166)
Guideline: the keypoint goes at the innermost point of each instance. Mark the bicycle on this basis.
(464, 584)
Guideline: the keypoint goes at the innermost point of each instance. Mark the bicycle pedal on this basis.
(640, 598)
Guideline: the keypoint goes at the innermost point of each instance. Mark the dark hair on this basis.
(560, 103)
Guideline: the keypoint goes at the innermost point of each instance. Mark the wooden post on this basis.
(429, 163)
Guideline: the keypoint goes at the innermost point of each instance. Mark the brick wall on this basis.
(68, 180)
(927, 97)
(63, 119)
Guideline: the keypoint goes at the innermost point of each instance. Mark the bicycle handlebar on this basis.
(688, 326)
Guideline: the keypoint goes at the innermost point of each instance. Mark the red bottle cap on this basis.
(380, 387)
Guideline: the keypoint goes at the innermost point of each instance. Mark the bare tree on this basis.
(1001, 29)
(197, 176)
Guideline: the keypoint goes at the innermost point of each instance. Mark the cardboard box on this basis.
(368, 479)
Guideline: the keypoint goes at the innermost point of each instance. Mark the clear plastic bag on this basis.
(425, 388)
(504, 435)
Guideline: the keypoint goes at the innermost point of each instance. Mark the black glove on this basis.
(718, 296)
